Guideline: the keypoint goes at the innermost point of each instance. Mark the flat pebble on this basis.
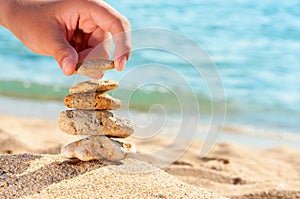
(97, 148)
(94, 122)
(90, 67)
(92, 100)
(93, 86)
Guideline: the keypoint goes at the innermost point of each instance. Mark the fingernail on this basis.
(123, 62)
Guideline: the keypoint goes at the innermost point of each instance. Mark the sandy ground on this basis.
(50, 176)
(229, 170)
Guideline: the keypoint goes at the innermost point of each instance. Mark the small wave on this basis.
(32, 90)
(173, 102)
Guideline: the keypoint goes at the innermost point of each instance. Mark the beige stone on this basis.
(92, 100)
(92, 122)
(90, 67)
(97, 148)
(93, 86)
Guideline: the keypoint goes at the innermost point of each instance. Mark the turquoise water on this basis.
(255, 46)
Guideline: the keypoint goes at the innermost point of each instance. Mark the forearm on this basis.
(4, 10)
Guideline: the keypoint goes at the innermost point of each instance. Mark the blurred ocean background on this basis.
(254, 44)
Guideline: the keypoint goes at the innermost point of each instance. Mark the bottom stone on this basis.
(97, 147)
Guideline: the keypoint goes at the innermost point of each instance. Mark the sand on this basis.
(50, 176)
(30, 167)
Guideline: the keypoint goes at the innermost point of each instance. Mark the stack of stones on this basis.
(90, 116)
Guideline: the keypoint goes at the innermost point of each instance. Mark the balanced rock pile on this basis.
(90, 116)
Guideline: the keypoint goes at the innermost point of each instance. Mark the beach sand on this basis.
(31, 167)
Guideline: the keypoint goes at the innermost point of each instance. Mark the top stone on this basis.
(94, 86)
(89, 67)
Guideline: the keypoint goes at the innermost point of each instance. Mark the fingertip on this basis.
(68, 66)
(121, 62)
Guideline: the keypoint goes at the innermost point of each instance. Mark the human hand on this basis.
(70, 31)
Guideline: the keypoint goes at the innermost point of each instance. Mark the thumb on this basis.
(66, 56)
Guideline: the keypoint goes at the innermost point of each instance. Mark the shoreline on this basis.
(236, 133)
(30, 108)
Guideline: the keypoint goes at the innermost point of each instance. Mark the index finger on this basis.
(108, 19)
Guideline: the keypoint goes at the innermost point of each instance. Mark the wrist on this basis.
(4, 10)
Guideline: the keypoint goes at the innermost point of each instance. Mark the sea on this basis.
(232, 64)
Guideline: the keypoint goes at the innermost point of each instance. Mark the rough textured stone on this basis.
(89, 67)
(96, 148)
(92, 100)
(91, 122)
(93, 86)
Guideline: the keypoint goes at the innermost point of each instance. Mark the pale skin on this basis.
(68, 30)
